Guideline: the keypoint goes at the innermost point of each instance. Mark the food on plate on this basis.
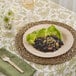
(46, 39)
(48, 43)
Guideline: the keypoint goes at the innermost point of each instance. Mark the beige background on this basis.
(70, 4)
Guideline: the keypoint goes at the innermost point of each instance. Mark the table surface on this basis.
(13, 14)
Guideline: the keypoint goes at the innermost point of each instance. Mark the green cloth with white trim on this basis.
(9, 70)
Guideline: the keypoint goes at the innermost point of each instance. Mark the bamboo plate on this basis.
(66, 52)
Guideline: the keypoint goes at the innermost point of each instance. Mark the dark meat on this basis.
(48, 43)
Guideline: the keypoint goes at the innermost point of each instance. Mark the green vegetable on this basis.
(8, 26)
(52, 30)
(31, 37)
(41, 33)
(6, 19)
(10, 12)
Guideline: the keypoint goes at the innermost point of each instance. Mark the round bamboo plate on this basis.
(44, 60)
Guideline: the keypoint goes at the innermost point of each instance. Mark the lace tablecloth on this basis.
(13, 15)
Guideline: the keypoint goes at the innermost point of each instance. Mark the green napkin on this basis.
(9, 70)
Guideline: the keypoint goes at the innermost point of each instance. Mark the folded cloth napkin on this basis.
(9, 70)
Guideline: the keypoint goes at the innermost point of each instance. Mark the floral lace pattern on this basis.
(13, 15)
